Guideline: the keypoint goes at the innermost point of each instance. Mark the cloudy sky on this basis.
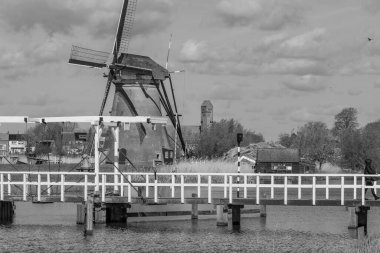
(271, 64)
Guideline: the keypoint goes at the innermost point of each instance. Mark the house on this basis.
(281, 160)
(17, 144)
(4, 144)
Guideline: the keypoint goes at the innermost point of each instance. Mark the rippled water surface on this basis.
(52, 228)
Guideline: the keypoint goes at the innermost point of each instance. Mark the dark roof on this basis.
(17, 137)
(278, 155)
(145, 62)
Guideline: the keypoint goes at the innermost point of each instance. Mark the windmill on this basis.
(139, 90)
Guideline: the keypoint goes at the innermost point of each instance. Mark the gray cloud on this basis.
(22, 15)
(307, 83)
(265, 14)
(354, 92)
(372, 6)
(97, 17)
(227, 92)
(40, 100)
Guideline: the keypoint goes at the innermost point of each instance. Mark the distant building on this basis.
(17, 144)
(206, 114)
(281, 160)
(4, 144)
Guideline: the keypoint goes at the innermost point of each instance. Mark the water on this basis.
(52, 228)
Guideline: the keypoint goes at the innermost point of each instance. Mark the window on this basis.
(282, 166)
(3, 147)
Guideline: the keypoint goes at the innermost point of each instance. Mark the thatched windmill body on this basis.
(139, 91)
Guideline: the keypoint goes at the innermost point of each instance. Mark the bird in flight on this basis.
(369, 39)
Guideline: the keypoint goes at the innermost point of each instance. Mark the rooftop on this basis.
(278, 155)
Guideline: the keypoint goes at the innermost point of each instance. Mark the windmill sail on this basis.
(124, 29)
(88, 57)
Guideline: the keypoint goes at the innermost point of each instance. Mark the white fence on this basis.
(211, 183)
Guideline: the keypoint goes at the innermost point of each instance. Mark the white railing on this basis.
(214, 184)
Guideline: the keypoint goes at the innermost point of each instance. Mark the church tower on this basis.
(206, 114)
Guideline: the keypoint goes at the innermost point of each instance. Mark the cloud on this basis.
(40, 100)
(377, 83)
(98, 18)
(227, 92)
(152, 16)
(265, 14)
(306, 83)
(305, 114)
(310, 52)
(354, 92)
(372, 6)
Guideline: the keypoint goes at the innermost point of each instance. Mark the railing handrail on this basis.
(192, 174)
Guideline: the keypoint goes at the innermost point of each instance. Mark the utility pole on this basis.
(239, 138)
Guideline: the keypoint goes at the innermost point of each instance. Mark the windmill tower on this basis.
(139, 91)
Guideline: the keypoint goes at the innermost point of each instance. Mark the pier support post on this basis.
(81, 213)
(263, 211)
(235, 215)
(6, 212)
(89, 217)
(221, 215)
(358, 221)
(116, 213)
(194, 208)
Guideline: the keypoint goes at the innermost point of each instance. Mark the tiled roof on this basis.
(278, 155)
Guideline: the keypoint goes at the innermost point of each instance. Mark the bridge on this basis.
(118, 190)
(177, 188)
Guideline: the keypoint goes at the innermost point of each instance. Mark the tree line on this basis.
(346, 144)
(220, 137)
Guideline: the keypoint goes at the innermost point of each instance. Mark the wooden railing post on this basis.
(9, 184)
(271, 187)
(230, 186)
(342, 191)
(314, 190)
(225, 187)
(129, 189)
(63, 187)
(24, 187)
(299, 187)
(104, 179)
(39, 187)
(209, 189)
(147, 185)
(257, 189)
(48, 184)
(173, 186)
(182, 189)
(1, 187)
(85, 187)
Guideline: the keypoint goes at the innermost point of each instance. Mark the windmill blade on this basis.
(108, 87)
(124, 29)
(167, 56)
(88, 57)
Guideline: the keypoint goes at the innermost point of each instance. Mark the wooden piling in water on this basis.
(80, 213)
(116, 213)
(221, 215)
(236, 215)
(6, 212)
(194, 208)
(89, 218)
(358, 221)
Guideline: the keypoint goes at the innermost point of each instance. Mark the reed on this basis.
(366, 245)
(206, 166)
